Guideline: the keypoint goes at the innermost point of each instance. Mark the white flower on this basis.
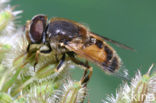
(142, 90)
(7, 20)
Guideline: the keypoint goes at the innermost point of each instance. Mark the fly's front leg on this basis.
(28, 47)
(36, 55)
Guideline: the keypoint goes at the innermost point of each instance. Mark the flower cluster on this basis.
(142, 89)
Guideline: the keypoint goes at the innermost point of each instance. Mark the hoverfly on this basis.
(71, 39)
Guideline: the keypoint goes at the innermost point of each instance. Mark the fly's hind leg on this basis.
(86, 76)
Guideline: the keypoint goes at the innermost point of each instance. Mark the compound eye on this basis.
(37, 27)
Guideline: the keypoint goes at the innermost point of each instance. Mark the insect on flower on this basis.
(72, 40)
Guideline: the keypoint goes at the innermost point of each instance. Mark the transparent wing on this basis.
(114, 42)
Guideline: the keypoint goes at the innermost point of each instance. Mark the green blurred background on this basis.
(132, 22)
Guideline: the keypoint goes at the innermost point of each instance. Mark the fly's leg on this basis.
(86, 76)
(28, 47)
(61, 62)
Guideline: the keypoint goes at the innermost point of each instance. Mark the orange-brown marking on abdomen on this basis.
(95, 53)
